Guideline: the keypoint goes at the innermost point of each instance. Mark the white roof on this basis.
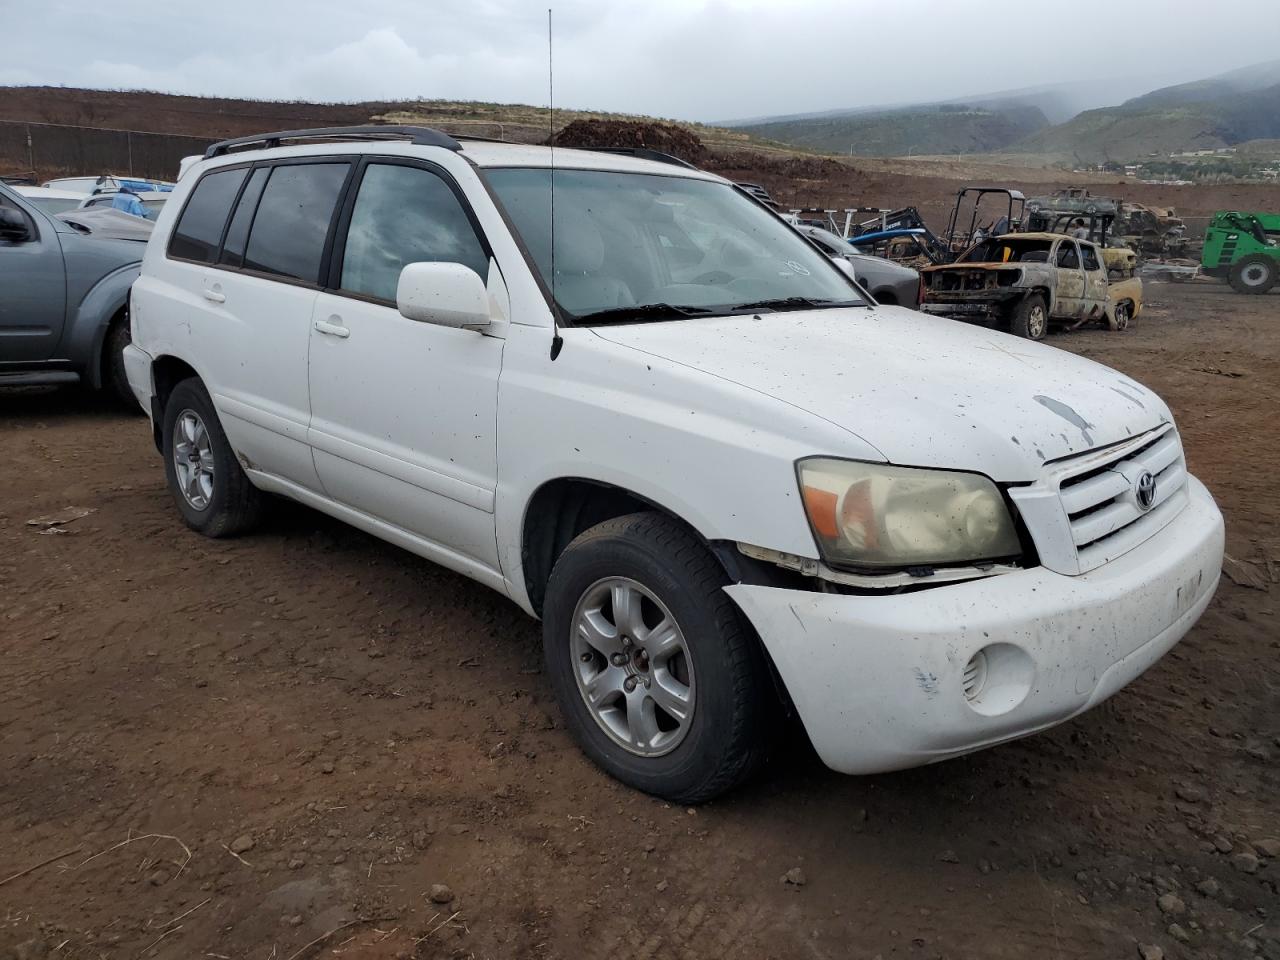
(485, 153)
(482, 153)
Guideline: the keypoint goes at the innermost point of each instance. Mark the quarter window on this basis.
(405, 215)
(289, 230)
(199, 230)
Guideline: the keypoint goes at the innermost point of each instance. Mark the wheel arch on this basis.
(106, 302)
(564, 507)
(167, 371)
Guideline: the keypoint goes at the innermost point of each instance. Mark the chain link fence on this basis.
(46, 150)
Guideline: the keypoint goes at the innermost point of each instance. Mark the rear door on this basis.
(253, 255)
(33, 290)
(403, 413)
(1069, 302)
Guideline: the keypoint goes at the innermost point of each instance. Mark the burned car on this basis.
(1025, 282)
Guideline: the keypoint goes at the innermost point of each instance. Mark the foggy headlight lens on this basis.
(876, 515)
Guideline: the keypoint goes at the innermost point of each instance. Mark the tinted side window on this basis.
(289, 230)
(238, 232)
(405, 215)
(1068, 258)
(199, 229)
(1090, 258)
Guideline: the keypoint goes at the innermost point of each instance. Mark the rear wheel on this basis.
(211, 489)
(1255, 274)
(658, 678)
(1122, 314)
(1030, 318)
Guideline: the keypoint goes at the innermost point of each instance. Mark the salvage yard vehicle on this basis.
(1243, 249)
(668, 426)
(1150, 231)
(889, 283)
(49, 200)
(64, 295)
(1027, 282)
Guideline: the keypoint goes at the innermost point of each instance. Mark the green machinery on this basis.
(1243, 249)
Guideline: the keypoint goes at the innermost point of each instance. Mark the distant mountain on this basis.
(930, 129)
(1075, 122)
(1206, 114)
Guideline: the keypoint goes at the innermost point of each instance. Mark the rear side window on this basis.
(405, 215)
(199, 229)
(1090, 258)
(289, 230)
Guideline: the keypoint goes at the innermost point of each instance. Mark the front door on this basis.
(1095, 282)
(1069, 302)
(33, 291)
(403, 413)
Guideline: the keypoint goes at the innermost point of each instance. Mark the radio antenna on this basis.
(556, 340)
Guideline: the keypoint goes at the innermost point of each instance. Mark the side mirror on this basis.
(845, 267)
(447, 294)
(14, 226)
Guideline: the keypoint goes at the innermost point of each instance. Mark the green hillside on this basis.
(944, 129)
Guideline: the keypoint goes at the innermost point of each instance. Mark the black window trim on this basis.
(168, 249)
(353, 163)
(332, 274)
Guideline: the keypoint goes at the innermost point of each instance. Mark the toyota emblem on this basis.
(1145, 490)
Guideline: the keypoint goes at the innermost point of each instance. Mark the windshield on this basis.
(632, 246)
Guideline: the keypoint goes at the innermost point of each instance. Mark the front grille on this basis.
(1101, 502)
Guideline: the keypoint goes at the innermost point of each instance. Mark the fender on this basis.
(93, 316)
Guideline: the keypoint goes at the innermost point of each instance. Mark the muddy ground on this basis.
(238, 747)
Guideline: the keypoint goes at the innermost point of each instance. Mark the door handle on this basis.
(332, 329)
(214, 296)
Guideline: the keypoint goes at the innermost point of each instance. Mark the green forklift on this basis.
(1243, 249)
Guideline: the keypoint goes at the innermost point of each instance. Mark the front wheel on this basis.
(658, 678)
(210, 487)
(1255, 274)
(1030, 318)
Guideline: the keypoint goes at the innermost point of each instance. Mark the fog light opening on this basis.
(975, 676)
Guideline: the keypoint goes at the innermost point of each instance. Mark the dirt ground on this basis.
(274, 747)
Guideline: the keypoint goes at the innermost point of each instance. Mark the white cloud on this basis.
(701, 59)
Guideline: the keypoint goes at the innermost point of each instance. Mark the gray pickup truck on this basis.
(64, 300)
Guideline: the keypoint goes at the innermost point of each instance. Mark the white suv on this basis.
(729, 484)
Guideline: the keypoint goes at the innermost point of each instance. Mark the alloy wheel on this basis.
(632, 666)
(193, 459)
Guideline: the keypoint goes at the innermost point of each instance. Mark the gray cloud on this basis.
(695, 60)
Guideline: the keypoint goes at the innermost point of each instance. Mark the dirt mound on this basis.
(791, 167)
(663, 137)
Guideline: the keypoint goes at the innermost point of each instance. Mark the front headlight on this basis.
(875, 515)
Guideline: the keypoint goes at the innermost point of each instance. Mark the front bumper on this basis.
(879, 681)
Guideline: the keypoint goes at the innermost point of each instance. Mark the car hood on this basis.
(923, 391)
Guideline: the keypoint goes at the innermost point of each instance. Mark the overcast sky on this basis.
(692, 60)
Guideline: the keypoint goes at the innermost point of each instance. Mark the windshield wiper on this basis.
(642, 311)
(793, 303)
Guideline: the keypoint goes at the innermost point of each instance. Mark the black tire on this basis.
(1254, 274)
(1123, 313)
(114, 377)
(1030, 318)
(735, 712)
(234, 505)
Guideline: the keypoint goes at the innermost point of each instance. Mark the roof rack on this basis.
(642, 153)
(423, 136)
